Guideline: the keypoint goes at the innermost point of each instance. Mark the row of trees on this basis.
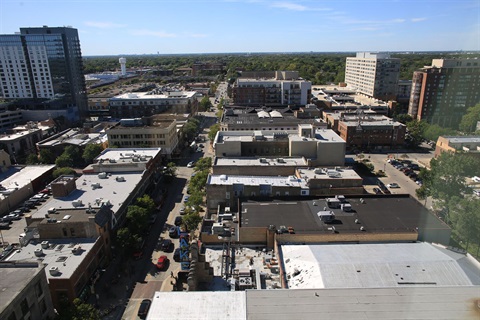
(196, 188)
(452, 198)
(319, 68)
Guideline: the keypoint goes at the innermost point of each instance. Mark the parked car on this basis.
(152, 219)
(186, 198)
(4, 225)
(144, 307)
(182, 211)
(162, 263)
(393, 185)
(377, 190)
(173, 232)
(476, 192)
(166, 245)
(176, 255)
(178, 220)
(190, 164)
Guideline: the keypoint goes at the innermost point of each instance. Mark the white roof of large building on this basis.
(111, 190)
(377, 266)
(23, 176)
(266, 162)
(74, 137)
(149, 96)
(127, 154)
(59, 254)
(206, 305)
(279, 181)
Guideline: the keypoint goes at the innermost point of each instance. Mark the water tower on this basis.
(123, 61)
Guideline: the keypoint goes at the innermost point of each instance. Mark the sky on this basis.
(118, 27)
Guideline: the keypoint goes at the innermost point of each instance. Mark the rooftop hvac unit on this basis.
(102, 175)
(120, 179)
(54, 271)
(77, 203)
(38, 252)
(45, 244)
(227, 209)
(96, 185)
(77, 250)
(263, 160)
(281, 160)
(112, 161)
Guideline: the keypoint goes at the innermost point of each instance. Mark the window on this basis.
(39, 289)
(24, 306)
(72, 232)
(227, 195)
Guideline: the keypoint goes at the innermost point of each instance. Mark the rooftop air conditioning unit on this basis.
(45, 244)
(77, 203)
(102, 175)
(54, 271)
(38, 252)
(120, 179)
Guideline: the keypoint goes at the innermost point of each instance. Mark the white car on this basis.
(393, 185)
(476, 179)
(476, 192)
(190, 164)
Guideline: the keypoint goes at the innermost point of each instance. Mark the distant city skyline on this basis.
(109, 27)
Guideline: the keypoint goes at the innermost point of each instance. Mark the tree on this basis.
(446, 178)
(78, 310)
(433, 131)
(64, 161)
(213, 132)
(468, 124)
(205, 104)
(62, 171)
(403, 118)
(203, 164)
(465, 214)
(91, 152)
(126, 240)
(192, 220)
(32, 158)
(416, 130)
(170, 172)
(73, 152)
(47, 156)
(137, 219)
(147, 203)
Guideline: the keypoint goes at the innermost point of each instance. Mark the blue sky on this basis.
(179, 26)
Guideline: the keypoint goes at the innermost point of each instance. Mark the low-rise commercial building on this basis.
(25, 293)
(158, 131)
(367, 131)
(464, 144)
(321, 147)
(144, 104)
(284, 88)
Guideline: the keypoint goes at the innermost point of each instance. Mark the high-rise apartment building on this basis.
(43, 66)
(441, 93)
(373, 74)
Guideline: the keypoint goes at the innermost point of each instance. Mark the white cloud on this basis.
(103, 24)
(289, 6)
(159, 34)
(418, 19)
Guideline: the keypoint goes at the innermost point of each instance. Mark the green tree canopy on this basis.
(137, 219)
(47, 156)
(32, 158)
(416, 131)
(78, 310)
(192, 220)
(213, 132)
(205, 104)
(64, 160)
(170, 172)
(147, 203)
(91, 152)
(433, 131)
(202, 164)
(62, 171)
(468, 124)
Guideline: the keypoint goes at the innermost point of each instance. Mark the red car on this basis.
(162, 262)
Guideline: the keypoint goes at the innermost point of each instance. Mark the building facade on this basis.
(465, 144)
(25, 293)
(373, 74)
(285, 89)
(153, 132)
(442, 93)
(144, 104)
(43, 65)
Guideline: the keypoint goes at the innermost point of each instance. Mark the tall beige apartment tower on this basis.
(373, 74)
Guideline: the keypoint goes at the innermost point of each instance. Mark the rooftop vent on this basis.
(45, 244)
(120, 179)
(102, 175)
(54, 271)
(38, 252)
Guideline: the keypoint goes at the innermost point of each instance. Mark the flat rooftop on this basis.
(418, 303)
(59, 254)
(279, 181)
(110, 190)
(150, 96)
(13, 280)
(126, 155)
(198, 305)
(321, 135)
(466, 139)
(75, 137)
(265, 162)
(376, 215)
(377, 265)
(322, 173)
